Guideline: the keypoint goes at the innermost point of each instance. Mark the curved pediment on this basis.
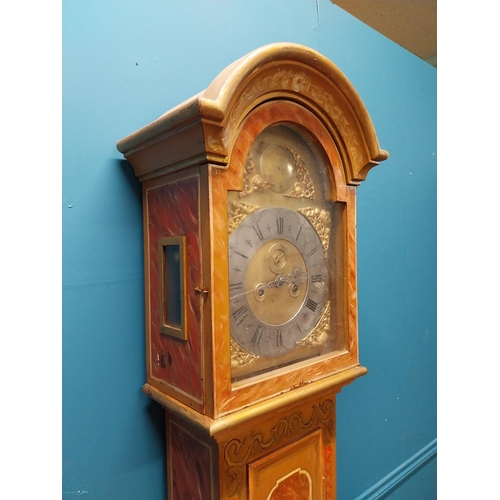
(203, 128)
(288, 71)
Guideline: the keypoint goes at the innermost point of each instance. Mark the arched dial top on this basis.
(278, 281)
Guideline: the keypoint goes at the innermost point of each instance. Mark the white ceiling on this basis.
(412, 24)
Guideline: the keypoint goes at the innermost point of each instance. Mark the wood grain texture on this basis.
(190, 465)
(351, 273)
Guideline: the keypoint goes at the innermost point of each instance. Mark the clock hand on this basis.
(297, 277)
(279, 256)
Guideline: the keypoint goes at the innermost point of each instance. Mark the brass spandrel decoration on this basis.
(256, 180)
(240, 357)
(319, 335)
(252, 180)
(320, 220)
(303, 187)
(237, 213)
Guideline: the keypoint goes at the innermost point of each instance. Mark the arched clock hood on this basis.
(210, 120)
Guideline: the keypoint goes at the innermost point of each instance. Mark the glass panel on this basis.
(172, 285)
(286, 256)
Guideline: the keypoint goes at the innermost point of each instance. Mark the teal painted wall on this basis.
(124, 64)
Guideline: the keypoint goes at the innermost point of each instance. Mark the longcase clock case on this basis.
(249, 192)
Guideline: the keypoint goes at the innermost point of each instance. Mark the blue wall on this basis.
(124, 64)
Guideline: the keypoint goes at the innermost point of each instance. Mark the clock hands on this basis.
(278, 281)
(295, 278)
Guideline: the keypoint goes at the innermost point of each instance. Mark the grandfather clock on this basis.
(249, 192)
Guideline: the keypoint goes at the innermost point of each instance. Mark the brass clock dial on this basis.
(278, 281)
(285, 257)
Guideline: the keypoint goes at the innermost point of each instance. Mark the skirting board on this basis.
(399, 475)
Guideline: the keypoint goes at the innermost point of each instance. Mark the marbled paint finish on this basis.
(190, 465)
(352, 294)
(173, 210)
(329, 472)
(297, 486)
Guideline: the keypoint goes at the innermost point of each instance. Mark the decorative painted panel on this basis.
(173, 210)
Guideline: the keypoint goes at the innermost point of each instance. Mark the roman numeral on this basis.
(257, 335)
(240, 314)
(241, 254)
(279, 224)
(316, 278)
(298, 234)
(279, 339)
(256, 228)
(312, 252)
(311, 305)
(235, 287)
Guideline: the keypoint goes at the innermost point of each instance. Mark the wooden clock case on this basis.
(265, 435)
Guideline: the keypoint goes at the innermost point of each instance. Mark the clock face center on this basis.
(276, 274)
(277, 281)
(277, 257)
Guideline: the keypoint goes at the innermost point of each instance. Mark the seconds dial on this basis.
(278, 281)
